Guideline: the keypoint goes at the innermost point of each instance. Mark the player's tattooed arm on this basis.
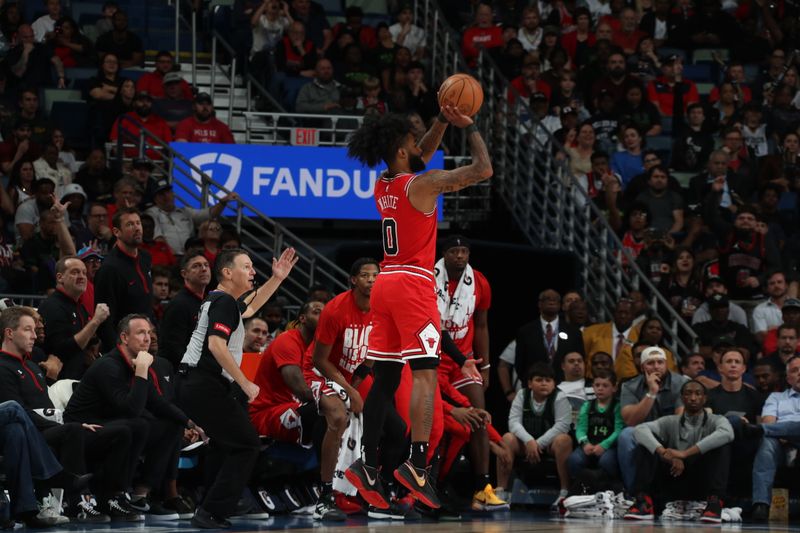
(432, 139)
(441, 181)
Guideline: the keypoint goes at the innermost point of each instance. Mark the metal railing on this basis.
(262, 237)
(30, 300)
(545, 199)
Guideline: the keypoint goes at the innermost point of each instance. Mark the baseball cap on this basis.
(72, 188)
(653, 352)
(711, 272)
(791, 302)
(718, 300)
(454, 240)
(142, 162)
(722, 341)
(567, 110)
(203, 98)
(162, 185)
(87, 252)
(551, 30)
(670, 59)
(172, 77)
(538, 97)
(142, 95)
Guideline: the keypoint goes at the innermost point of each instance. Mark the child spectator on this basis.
(371, 102)
(539, 424)
(598, 426)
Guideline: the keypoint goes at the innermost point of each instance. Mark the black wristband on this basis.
(469, 129)
(362, 371)
(441, 118)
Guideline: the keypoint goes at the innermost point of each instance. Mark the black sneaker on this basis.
(291, 501)
(642, 509)
(159, 512)
(178, 505)
(713, 511)
(87, 512)
(368, 483)
(394, 512)
(139, 503)
(418, 484)
(326, 510)
(759, 512)
(119, 509)
(205, 520)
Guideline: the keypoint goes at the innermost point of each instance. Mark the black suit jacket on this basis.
(531, 346)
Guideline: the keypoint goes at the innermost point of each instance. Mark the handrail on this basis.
(539, 191)
(193, 25)
(312, 267)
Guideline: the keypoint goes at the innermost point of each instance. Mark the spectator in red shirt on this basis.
(153, 124)
(628, 35)
(530, 78)
(363, 35)
(203, 127)
(665, 88)
(738, 78)
(158, 249)
(152, 83)
(579, 42)
(482, 34)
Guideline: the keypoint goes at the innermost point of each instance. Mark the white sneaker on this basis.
(50, 511)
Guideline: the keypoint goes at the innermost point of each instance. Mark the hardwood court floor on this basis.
(513, 522)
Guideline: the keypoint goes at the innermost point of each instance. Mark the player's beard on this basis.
(416, 163)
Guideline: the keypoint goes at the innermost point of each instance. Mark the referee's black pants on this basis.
(209, 401)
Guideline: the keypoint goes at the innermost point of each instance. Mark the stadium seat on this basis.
(666, 125)
(705, 55)
(331, 6)
(49, 96)
(704, 88)
(697, 73)
(72, 118)
(370, 6)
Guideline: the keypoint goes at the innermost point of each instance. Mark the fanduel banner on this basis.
(290, 181)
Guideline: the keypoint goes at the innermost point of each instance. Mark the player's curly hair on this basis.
(378, 138)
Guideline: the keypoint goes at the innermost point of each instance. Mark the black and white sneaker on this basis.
(88, 512)
(119, 509)
(394, 512)
(159, 512)
(139, 503)
(269, 502)
(326, 510)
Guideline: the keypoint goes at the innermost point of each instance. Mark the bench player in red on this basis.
(464, 297)
(405, 317)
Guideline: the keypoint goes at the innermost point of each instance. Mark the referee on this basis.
(211, 364)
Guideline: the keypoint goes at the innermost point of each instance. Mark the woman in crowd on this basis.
(580, 151)
(628, 162)
(20, 184)
(103, 90)
(73, 48)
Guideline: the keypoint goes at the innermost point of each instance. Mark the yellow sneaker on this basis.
(487, 500)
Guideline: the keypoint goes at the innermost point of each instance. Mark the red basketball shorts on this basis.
(405, 318)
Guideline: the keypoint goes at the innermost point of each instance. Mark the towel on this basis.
(456, 311)
(349, 452)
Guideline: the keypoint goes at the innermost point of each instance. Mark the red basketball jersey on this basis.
(345, 328)
(409, 236)
(286, 349)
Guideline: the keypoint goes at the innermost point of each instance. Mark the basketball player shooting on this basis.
(403, 301)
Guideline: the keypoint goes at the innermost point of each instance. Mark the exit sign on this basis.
(305, 137)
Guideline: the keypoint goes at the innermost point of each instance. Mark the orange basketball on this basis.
(462, 91)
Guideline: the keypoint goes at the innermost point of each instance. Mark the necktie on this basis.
(620, 343)
(549, 337)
